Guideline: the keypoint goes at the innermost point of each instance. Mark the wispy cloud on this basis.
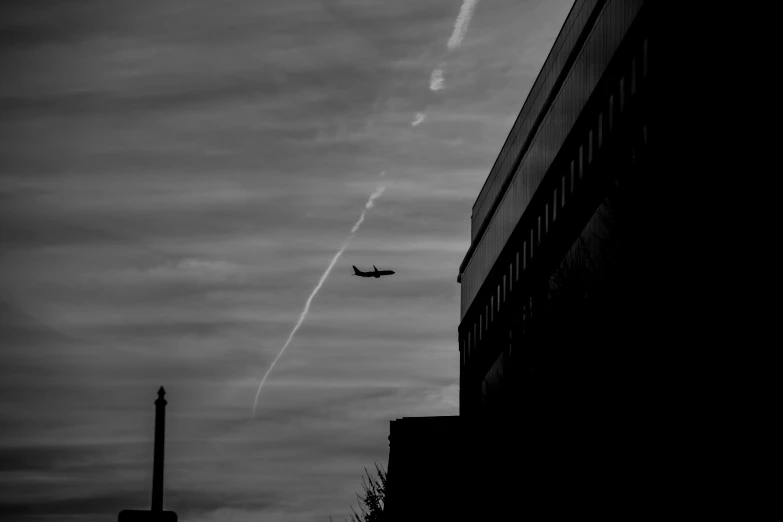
(197, 269)
(419, 118)
(202, 167)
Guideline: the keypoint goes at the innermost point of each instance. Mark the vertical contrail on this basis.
(370, 203)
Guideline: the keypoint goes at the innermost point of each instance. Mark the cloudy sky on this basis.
(175, 178)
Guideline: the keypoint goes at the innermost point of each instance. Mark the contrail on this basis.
(457, 35)
(436, 78)
(368, 206)
(370, 203)
(461, 24)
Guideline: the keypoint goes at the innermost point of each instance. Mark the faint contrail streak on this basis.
(370, 203)
(436, 78)
(368, 206)
(461, 24)
(457, 35)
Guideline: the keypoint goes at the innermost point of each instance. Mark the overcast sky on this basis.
(175, 177)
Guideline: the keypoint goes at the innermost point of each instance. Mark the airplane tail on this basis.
(356, 271)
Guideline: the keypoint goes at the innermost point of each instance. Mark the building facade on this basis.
(556, 304)
(558, 297)
(581, 132)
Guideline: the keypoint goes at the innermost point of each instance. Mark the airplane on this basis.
(376, 274)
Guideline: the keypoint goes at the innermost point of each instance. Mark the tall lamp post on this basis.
(156, 513)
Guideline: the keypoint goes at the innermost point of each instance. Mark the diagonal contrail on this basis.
(370, 203)
(461, 24)
(455, 40)
(436, 78)
(368, 206)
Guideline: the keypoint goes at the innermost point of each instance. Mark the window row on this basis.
(603, 124)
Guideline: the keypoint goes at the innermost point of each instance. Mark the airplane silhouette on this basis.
(376, 274)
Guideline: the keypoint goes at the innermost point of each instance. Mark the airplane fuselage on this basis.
(376, 273)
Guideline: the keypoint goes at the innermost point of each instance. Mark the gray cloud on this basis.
(174, 178)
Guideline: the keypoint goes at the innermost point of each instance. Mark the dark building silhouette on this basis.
(422, 459)
(435, 472)
(156, 513)
(560, 300)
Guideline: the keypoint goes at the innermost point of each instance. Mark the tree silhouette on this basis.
(372, 503)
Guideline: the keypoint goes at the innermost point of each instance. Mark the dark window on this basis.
(546, 218)
(498, 298)
(538, 235)
(523, 260)
(504, 288)
(510, 274)
(554, 205)
(633, 75)
(590, 146)
(492, 308)
(581, 160)
(573, 177)
(622, 94)
(563, 191)
(600, 129)
(524, 255)
(644, 58)
(611, 111)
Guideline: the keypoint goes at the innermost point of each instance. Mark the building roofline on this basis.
(573, 52)
(510, 138)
